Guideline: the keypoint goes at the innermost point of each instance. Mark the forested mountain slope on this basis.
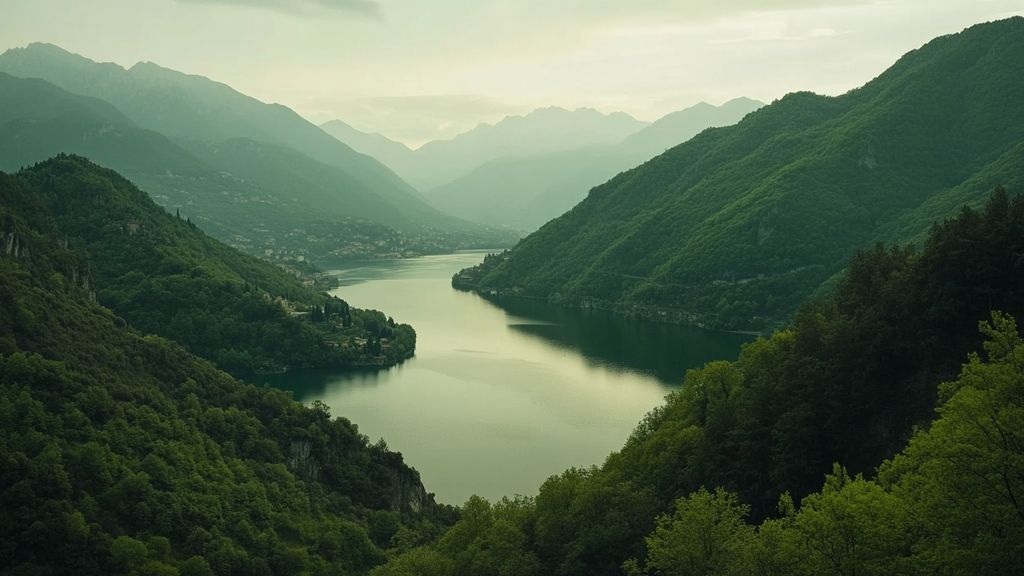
(125, 454)
(737, 226)
(847, 382)
(242, 184)
(164, 276)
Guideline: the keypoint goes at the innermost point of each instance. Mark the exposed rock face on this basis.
(402, 488)
(13, 245)
(302, 462)
(409, 494)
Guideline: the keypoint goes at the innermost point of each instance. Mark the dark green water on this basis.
(498, 399)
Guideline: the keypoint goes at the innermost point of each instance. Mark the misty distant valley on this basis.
(372, 287)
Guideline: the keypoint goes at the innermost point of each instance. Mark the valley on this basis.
(511, 289)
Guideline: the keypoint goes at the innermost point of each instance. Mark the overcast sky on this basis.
(422, 69)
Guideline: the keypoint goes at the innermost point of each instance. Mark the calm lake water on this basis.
(497, 400)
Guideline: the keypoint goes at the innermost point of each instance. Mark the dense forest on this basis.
(726, 476)
(164, 276)
(736, 227)
(125, 454)
(876, 429)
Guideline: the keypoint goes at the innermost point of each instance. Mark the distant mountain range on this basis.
(256, 175)
(391, 153)
(526, 191)
(737, 226)
(525, 170)
(544, 130)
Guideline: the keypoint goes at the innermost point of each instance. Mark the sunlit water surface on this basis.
(496, 400)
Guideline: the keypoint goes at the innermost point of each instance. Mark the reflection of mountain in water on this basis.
(310, 384)
(664, 350)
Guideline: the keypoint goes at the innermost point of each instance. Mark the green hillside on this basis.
(726, 476)
(296, 178)
(198, 114)
(164, 276)
(125, 454)
(735, 227)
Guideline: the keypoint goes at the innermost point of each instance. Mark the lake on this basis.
(497, 399)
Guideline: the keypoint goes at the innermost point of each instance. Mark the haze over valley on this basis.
(511, 288)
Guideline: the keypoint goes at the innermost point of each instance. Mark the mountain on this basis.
(879, 433)
(123, 453)
(735, 227)
(542, 131)
(196, 114)
(164, 276)
(39, 120)
(677, 127)
(389, 152)
(188, 107)
(524, 192)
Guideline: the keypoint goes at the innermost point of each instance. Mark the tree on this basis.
(706, 534)
(852, 527)
(964, 476)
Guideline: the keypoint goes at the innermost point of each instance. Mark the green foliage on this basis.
(964, 476)
(707, 534)
(852, 526)
(847, 382)
(165, 277)
(738, 226)
(122, 454)
(949, 503)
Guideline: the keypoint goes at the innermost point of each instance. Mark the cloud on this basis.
(365, 8)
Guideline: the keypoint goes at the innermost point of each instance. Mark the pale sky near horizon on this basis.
(420, 70)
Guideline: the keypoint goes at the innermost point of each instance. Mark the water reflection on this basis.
(663, 350)
(309, 385)
(498, 399)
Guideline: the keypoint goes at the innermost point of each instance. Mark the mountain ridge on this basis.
(153, 97)
(166, 277)
(548, 129)
(734, 227)
(526, 191)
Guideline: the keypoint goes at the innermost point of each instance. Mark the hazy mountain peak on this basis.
(677, 127)
(742, 100)
(49, 59)
(47, 49)
(340, 126)
(153, 67)
(542, 130)
(526, 191)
